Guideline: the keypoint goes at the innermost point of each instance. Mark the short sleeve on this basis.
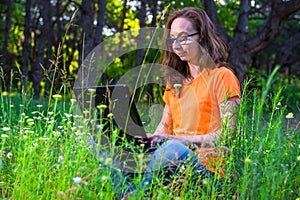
(166, 97)
(226, 85)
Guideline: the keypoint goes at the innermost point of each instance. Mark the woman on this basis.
(201, 96)
(205, 92)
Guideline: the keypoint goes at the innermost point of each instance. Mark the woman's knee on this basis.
(173, 150)
(172, 144)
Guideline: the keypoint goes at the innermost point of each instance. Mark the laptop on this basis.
(119, 112)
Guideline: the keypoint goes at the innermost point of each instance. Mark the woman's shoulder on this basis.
(224, 69)
(215, 74)
(222, 72)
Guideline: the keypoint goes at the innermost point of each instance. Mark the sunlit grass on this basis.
(44, 152)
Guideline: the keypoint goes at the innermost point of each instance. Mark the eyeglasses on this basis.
(181, 39)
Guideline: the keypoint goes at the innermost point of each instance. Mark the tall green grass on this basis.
(44, 153)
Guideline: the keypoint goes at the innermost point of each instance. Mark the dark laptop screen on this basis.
(118, 100)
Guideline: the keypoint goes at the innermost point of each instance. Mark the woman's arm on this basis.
(207, 140)
(165, 125)
(229, 111)
(164, 128)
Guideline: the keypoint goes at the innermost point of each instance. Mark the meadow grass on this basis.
(44, 152)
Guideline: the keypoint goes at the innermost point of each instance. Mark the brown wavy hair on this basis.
(209, 40)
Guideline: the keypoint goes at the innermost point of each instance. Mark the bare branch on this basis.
(240, 31)
(283, 54)
(280, 12)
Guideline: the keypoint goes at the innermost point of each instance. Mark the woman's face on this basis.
(185, 46)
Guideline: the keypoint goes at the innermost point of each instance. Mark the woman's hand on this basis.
(157, 139)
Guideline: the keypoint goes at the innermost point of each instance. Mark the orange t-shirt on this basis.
(197, 110)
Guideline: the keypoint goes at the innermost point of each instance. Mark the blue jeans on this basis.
(166, 161)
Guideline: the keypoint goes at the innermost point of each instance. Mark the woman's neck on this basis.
(195, 70)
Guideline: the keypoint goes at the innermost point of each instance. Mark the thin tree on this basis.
(49, 51)
(26, 46)
(5, 43)
(100, 21)
(141, 36)
(37, 68)
(122, 23)
(87, 26)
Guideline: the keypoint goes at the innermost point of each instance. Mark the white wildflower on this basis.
(77, 179)
(6, 128)
(35, 144)
(4, 136)
(289, 115)
(68, 115)
(60, 159)
(100, 126)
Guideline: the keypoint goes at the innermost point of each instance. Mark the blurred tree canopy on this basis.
(43, 42)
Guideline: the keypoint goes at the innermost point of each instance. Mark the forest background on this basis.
(43, 154)
(47, 40)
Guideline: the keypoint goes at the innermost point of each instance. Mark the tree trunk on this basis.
(141, 36)
(122, 24)
(100, 21)
(58, 22)
(87, 26)
(49, 54)
(239, 61)
(239, 58)
(154, 12)
(56, 40)
(5, 43)
(37, 70)
(26, 46)
(211, 11)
